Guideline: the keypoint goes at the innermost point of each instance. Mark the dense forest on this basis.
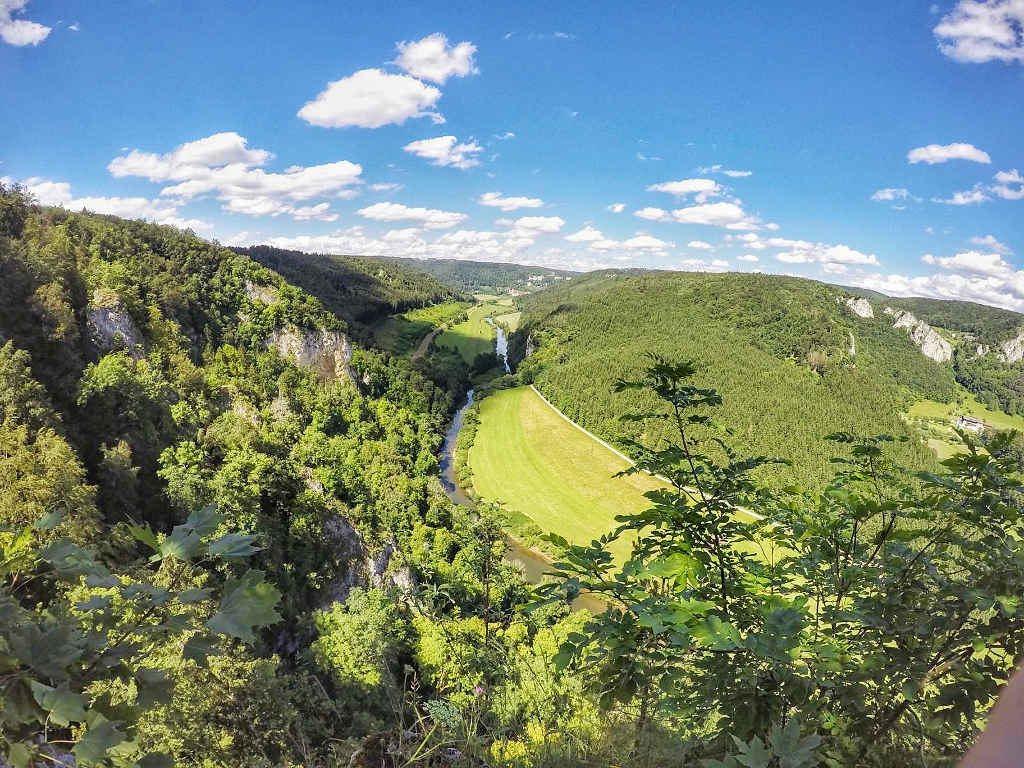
(223, 541)
(485, 276)
(777, 348)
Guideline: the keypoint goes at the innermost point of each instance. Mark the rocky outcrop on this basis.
(860, 307)
(326, 353)
(364, 569)
(853, 345)
(1012, 350)
(982, 350)
(531, 346)
(265, 293)
(927, 339)
(110, 326)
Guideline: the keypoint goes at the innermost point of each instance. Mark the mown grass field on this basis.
(475, 335)
(940, 417)
(528, 457)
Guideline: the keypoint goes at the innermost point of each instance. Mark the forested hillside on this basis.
(359, 289)
(486, 276)
(777, 348)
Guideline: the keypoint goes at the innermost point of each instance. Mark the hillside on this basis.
(778, 349)
(358, 289)
(486, 276)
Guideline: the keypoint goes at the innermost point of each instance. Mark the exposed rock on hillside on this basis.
(110, 326)
(1012, 350)
(923, 335)
(326, 353)
(265, 293)
(860, 307)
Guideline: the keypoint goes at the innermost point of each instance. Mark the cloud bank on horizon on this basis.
(407, 129)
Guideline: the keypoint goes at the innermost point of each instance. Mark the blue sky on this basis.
(875, 144)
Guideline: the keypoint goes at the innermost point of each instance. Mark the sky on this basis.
(876, 144)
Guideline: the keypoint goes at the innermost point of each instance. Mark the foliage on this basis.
(879, 615)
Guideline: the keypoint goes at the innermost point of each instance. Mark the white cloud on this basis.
(891, 194)
(702, 188)
(224, 165)
(433, 59)
(385, 187)
(505, 136)
(586, 235)
(972, 263)
(702, 265)
(966, 197)
(717, 168)
(821, 253)
(371, 98)
(748, 257)
(941, 153)
(617, 207)
(727, 215)
(20, 32)
(990, 30)
(1005, 291)
(700, 245)
(431, 218)
(1004, 188)
(159, 211)
(639, 243)
(652, 214)
(992, 244)
(495, 200)
(641, 156)
(445, 150)
(75, 27)
(538, 223)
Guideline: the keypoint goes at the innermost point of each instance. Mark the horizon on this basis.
(876, 152)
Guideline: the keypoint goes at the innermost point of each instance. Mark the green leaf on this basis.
(145, 534)
(101, 737)
(199, 647)
(193, 595)
(64, 706)
(71, 561)
(716, 634)
(247, 603)
(19, 755)
(233, 546)
(50, 521)
(156, 760)
(154, 687)
(185, 541)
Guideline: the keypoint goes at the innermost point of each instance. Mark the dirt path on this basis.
(421, 350)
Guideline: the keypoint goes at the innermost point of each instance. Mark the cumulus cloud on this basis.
(385, 187)
(941, 153)
(430, 218)
(495, 200)
(990, 243)
(586, 235)
(989, 30)
(972, 263)
(652, 214)
(20, 32)
(446, 150)
(433, 59)
(701, 188)
(537, 224)
(821, 253)
(891, 194)
(727, 215)
(617, 207)
(702, 265)
(371, 98)
(159, 211)
(1004, 291)
(748, 257)
(700, 245)
(965, 197)
(1009, 185)
(224, 165)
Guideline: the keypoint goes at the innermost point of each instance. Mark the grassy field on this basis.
(509, 320)
(400, 334)
(938, 419)
(475, 335)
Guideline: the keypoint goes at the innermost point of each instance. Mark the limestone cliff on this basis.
(1012, 350)
(110, 326)
(326, 353)
(927, 339)
(860, 307)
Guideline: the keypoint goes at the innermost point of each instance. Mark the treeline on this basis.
(484, 276)
(777, 348)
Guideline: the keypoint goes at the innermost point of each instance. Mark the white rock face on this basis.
(860, 307)
(326, 353)
(531, 347)
(1012, 350)
(923, 335)
(853, 345)
(265, 293)
(109, 324)
(982, 350)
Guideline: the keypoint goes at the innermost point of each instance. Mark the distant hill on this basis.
(486, 276)
(792, 363)
(358, 289)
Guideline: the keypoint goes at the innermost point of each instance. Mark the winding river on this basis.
(532, 563)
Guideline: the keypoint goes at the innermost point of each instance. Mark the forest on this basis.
(223, 541)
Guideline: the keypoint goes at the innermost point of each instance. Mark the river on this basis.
(500, 344)
(532, 563)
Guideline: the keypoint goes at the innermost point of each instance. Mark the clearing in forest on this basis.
(475, 335)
